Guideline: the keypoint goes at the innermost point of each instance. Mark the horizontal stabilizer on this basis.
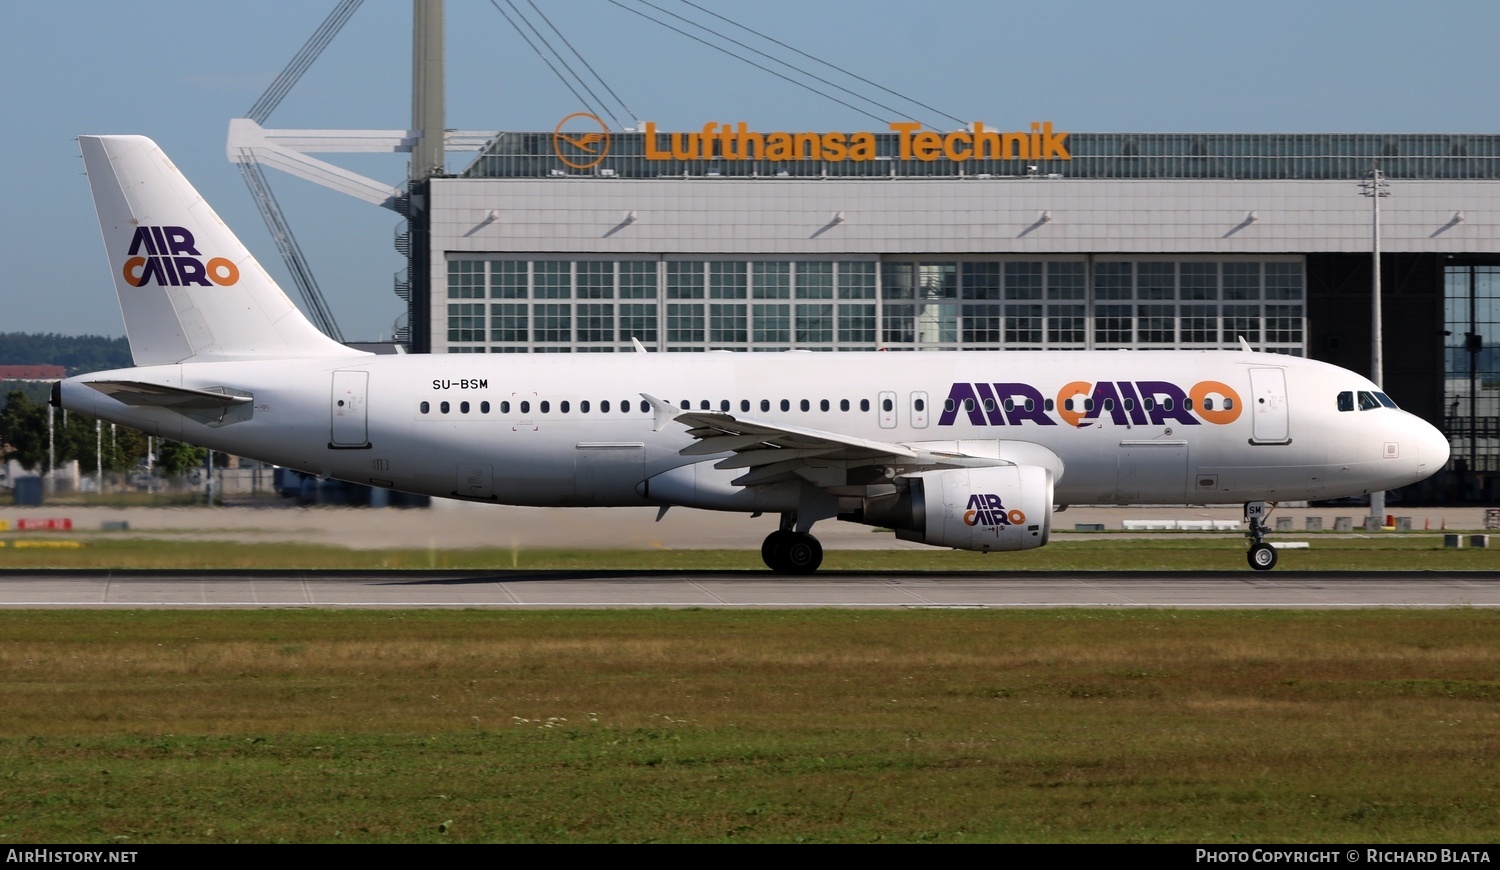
(157, 395)
(209, 407)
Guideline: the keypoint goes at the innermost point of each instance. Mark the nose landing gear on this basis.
(1262, 556)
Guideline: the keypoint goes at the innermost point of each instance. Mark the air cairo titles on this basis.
(739, 142)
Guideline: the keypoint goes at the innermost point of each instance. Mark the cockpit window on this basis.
(1346, 400)
(1386, 400)
(1367, 401)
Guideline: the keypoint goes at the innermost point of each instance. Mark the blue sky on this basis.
(177, 71)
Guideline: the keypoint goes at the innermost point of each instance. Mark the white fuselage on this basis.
(576, 431)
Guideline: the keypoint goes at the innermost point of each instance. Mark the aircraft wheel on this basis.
(1262, 557)
(773, 550)
(802, 554)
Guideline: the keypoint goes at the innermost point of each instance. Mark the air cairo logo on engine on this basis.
(584, 144)
(168, 257)
(985, 509)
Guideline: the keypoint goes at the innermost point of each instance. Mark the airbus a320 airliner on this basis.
(968, 450)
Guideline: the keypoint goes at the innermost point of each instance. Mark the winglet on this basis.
(665, 413)
(1245, 345)
(639, 348)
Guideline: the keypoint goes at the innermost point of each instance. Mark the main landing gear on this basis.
(1262, 556)
(787, 551)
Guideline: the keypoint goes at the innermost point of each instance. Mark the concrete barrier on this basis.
(1314, 524)
(1343, 524)
(1454, 542)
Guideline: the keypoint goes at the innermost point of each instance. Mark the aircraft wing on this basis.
(773, 451)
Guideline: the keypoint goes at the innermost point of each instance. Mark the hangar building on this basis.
(583, 240)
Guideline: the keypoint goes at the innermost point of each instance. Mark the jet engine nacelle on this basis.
(998, 508)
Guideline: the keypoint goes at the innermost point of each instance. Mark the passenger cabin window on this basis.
(843, 404)
(444, 407)
(744, 406)
(545, 406)
(804, 405)
(426, 407)
(463, 407)
(864, 404)
(484, 407)
(765, 405)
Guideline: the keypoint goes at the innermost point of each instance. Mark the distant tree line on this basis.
(76, 353)
(23, 409)
(23, 437)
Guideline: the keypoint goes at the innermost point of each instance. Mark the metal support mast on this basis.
(260, 188)
(1376, 188)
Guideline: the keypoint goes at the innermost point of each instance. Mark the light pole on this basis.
(1375, 188)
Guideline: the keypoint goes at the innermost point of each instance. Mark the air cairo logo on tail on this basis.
(168, 257)
(986, 509)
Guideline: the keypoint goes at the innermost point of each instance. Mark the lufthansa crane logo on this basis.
(581, 140)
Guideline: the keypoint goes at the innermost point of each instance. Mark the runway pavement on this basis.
(740, 589)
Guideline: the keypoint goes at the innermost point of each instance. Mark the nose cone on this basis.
(1432, 449)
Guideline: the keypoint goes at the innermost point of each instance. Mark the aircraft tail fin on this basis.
(189, 290)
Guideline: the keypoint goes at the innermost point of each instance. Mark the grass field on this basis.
(149, 726)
